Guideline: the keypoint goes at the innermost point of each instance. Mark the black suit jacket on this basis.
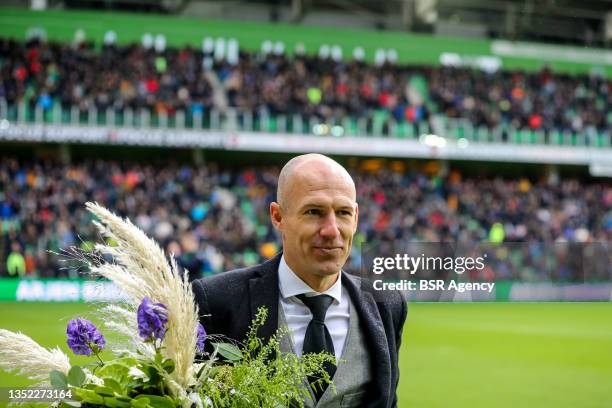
(229, 301)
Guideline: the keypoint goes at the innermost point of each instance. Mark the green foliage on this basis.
(264, 377)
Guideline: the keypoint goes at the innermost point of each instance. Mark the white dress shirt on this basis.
(298, 316)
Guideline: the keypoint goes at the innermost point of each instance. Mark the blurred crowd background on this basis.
(43, 74)
(216, 219)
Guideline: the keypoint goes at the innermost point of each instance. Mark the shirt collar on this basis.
(291, 285)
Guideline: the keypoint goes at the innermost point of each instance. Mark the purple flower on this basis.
(201, 338)
(152, 319)
(84, 337)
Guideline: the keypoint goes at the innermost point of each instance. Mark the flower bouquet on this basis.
(160, 359)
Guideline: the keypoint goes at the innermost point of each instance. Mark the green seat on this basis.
(518, 136)
(11, 114)
(482, 134)
(574, 139)
(400, 130)
(270, 124)
(378, 121)
(424, 128)
(533, 137)
(65, 116)
(459, 132)
(350, 126)
(601, 140)
(154, 121)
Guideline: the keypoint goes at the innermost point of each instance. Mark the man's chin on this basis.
(328, 267)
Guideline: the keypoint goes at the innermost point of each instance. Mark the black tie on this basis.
(317, 338)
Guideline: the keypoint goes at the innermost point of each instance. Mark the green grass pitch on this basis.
(453, 355)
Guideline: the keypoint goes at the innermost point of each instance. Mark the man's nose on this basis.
(329, 229)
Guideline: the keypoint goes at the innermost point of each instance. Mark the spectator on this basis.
(15, 262)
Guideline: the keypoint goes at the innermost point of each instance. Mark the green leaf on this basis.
(76, 376)
(157, 401)
(104, 391)
(134, 384)
(116, 371)
(58, 379)
(114, 402)
(71, 403)
(114, 385)
(125, 361)
(229, 351)
(152, 373)
(168, 366)
(139, 403)
(88, 396)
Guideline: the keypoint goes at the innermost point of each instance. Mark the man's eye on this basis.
(345, 213)
(313, 211)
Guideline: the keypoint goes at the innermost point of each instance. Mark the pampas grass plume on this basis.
(21, 355)
(140, 269)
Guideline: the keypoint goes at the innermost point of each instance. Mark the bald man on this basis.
(305, 289)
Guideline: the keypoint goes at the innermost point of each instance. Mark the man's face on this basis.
(317, 221)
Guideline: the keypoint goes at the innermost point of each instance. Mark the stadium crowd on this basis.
(214, 218)
(44, 74)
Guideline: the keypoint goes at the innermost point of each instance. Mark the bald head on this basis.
(303, 169)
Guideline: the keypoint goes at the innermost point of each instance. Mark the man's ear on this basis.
(356, 218)
(276, 215)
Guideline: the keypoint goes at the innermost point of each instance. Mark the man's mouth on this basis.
(328, 250)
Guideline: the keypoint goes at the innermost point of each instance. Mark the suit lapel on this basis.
(263, 291)
(375, 334)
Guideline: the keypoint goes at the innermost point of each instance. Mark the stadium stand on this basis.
(216, 218)
(50, 82)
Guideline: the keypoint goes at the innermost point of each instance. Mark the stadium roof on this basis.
(559, 21)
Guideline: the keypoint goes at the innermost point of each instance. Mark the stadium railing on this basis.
(379, 124)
